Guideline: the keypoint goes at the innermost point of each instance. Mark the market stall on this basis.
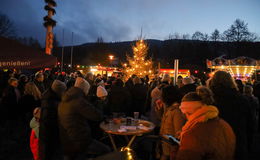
(181, 72)
(14, 55)
(240, 68)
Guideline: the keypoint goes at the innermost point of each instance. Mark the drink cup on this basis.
(128, 121)
(136, 115)
(110, 124)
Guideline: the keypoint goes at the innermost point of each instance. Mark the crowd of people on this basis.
(60, 113)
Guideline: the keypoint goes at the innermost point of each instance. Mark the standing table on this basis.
(119, 127)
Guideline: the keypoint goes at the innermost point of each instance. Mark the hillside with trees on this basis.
(192, 51)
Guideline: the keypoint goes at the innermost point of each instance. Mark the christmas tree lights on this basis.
(139, 64)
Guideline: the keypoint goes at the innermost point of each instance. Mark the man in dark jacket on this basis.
(10, 99)
(129, 84)
(49, 128)
(119, 98)
(139, 93)
(74, 112)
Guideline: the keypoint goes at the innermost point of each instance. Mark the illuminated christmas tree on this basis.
(139, 64)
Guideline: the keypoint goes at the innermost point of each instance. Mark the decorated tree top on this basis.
(139, 64)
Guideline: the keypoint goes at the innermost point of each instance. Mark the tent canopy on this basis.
(16, 55)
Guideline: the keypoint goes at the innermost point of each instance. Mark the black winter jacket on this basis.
(74, 112)
(119, 100)
(49, 128)
(235, 109)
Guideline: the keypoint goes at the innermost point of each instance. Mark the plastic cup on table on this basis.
(136, 115)
(110, 124)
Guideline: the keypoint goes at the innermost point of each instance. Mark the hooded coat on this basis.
(74, 112)
(49, 128)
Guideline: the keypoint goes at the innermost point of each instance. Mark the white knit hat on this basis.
(100, 83)
(58, 87)
(187, 80)
(82, 84)
(101, 91)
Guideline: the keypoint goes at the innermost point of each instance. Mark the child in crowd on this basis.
(34, 139)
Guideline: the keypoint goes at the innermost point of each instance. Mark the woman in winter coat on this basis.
(38, 81)
(74, 112)
(234, 109)
(156, 113)
(205, 136)
(31, 99)
(172, 120)
(49, 128)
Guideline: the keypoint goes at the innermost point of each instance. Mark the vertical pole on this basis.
(159, 68)
(62, 50)
(71, 53)
(176, 70)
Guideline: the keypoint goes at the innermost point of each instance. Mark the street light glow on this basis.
(111, 57)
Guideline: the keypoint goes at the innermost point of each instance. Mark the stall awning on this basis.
(16, 55)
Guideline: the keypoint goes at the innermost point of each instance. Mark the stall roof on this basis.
(16, 55)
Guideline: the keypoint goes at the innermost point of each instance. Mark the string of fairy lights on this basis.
(139, 64)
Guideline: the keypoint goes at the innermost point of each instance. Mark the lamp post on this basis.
(111, 58)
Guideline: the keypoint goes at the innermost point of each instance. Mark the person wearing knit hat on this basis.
(58, 87)
(76, 116)
(101, 92)
(204, 132)
(187, 80)
(82, 84)
(99, 82)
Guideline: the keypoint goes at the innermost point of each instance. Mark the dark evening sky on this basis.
(121, 20)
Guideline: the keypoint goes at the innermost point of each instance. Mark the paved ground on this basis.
(17, 147)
